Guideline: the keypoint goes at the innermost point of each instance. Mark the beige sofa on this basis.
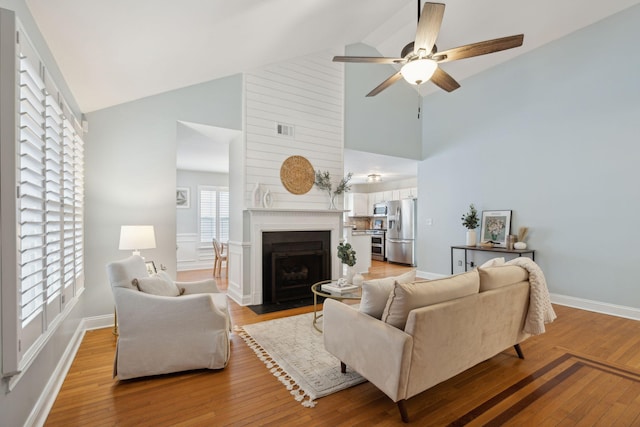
(430, 331)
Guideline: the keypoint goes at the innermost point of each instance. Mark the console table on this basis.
(466, 249)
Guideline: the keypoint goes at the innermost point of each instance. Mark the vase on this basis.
(267, 201)
(351, 271)
(520, 245)
(257, 196)
(357, 279)
(332, 201)
(471, 237)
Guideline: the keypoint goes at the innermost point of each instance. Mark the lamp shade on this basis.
(136, 237)
(419, 71)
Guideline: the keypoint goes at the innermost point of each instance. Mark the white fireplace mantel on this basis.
(268, 219)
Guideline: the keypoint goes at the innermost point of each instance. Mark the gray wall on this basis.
(386, 123)
(187, 219)
(552, 135)
(131, 172)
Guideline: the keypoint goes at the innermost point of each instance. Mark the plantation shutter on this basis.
(49, 203)
(213, 214)
(207, 215)
(223, 215)
(31, 200)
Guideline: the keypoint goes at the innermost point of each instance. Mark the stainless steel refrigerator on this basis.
(401, 228)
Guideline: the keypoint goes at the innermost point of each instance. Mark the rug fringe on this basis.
(296, 391)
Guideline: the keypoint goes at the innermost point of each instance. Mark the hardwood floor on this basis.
(584, 371)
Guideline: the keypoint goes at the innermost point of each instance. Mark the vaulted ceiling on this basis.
(114, 51)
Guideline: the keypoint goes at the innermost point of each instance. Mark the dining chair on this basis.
(220, 257)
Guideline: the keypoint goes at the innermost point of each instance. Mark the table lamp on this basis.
(136, 237)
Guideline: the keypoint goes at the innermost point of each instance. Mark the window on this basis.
(49, 198)
(213, 213)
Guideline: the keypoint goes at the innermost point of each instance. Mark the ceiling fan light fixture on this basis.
(419, 71)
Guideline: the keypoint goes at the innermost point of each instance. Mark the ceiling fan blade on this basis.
(443, 80)
(369, 59)
(385, 84)
(428, 27)
(480, 48)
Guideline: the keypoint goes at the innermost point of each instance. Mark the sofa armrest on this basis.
(379, 352)
(199, 287)
(139, 313)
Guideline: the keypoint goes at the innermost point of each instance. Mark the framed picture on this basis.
(151, 268)
(496, 226)
(183, 197)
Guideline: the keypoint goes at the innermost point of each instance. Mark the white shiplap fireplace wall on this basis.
(307, 94)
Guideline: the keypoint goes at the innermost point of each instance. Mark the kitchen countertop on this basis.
(367, 231)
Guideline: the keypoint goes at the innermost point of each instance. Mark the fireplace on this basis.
(292, 261)
(250, 287)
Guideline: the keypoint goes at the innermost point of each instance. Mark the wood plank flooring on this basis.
(585, 371)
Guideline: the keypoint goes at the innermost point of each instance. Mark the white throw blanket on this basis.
(540, 308)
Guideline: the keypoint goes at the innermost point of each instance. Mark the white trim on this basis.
(430, 276)
(597, 307)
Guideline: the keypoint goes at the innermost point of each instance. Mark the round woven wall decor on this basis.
(297, 175)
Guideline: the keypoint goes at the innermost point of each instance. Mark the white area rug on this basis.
(294, 352)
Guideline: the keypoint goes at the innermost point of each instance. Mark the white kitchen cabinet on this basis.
(376, 197)
(358, 204)
(409, 193)
(387, 196)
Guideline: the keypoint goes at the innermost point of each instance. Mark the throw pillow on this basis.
(409, 296)
(375, 293)
(163, 274)
(156, 285)
(493, 262)
(497, 277)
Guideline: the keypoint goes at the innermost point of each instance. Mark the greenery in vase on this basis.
(323, 182)
(346, 254)
(470, 219)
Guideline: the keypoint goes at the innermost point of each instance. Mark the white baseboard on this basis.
(195, 265)
(596, 306)
(430, 276)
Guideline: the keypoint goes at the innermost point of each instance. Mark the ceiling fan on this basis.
(421, 57)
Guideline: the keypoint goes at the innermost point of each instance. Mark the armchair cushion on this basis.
(375, 293)
(157, 285)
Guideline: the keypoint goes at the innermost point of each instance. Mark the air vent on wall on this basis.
(284, 129)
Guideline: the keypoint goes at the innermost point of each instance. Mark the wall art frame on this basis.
(183, 197)
(496, 226)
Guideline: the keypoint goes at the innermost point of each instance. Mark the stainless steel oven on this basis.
(377, 244)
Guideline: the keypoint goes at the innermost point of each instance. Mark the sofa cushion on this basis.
(493, 262)
(406, 297)
(497, 277)
(157, 285)
(375, 293)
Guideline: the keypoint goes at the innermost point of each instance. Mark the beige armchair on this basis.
(164, 334)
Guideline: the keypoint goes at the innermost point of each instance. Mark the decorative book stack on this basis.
(335, 289)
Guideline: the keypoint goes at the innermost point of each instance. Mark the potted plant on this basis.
(471, 221)
(323, 182)
(347, 256)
